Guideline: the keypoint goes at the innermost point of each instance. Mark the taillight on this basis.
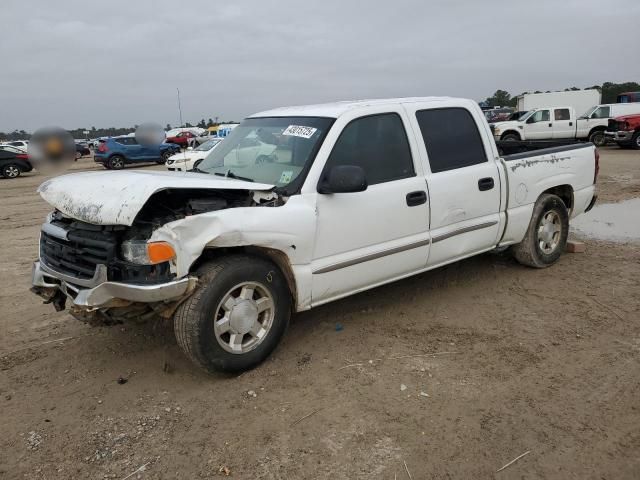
(22, 156)
(597, 166)
(103, 148)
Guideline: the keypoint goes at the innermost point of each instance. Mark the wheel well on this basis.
(276, 256)
(601, 128)
(509, 132)
(565, 192)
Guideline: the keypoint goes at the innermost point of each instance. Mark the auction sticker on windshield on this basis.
(299, 131)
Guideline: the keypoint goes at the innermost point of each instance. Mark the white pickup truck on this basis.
(560, 123)
(353, 195)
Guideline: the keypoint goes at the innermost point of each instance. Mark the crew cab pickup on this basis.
(351, 196)
(539, 124)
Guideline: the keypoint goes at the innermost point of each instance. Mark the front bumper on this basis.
(621, 136)
(48, 284)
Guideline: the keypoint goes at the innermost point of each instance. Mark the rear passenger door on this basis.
(463, 182)
(563, 124)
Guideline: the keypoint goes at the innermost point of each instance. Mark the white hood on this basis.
(115, 198)
(505, 125)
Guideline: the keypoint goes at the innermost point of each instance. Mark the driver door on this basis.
(539, 125)
(371, 237)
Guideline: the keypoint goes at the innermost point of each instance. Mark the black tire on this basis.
(598, 138)
(164, 157)
(195, 318)
(78, 155)
(11, 170)
(635, 141)
(116, 162)
(530, 252)
(510, 137)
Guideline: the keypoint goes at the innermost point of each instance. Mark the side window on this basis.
(451, 138)
(540, 116)
(601, 112)
(378, 144)
(561, 114)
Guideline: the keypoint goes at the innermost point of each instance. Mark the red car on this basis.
(625, 131)
(184, 139)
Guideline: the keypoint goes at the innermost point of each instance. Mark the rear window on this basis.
(451, 138)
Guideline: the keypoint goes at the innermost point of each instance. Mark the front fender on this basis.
(289, 228)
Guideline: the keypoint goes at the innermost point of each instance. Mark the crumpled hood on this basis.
(115, 198)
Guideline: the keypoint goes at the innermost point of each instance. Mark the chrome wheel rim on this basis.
(244, 317)
(11, 171)
(549, 232)
(116, 163)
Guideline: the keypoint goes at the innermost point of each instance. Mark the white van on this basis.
(594, 122)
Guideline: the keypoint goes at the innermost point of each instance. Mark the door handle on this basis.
(485, 184)
(571, 124)
(416, 198)
(551, 124)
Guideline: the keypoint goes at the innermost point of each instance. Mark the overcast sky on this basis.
(118, 63)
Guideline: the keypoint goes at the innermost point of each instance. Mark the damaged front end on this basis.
(101, 271)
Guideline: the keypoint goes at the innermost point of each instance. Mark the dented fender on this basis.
(289, 228)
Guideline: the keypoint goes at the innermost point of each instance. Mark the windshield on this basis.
(525, 116)
(273, 150)
(208, 145)
(589, 112)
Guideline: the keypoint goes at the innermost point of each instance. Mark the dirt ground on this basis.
(450, 374)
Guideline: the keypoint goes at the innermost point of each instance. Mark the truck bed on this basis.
(512, 147)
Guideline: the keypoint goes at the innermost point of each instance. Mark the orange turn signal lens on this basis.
(159, 252)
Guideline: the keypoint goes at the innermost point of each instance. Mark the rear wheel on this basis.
(116, 162)
(598, 138)
(237, 315)
(546, 237)
(635, 141)
(11, 170)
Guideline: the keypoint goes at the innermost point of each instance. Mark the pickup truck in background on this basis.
(114, 153)
(625, 131)
(353, 195)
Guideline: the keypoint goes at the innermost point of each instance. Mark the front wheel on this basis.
(510, 137)
(236, 316)
(546, 237)
(598, 138)
(164, 157)
(635, 141)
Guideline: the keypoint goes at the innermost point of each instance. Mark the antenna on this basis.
(179, 107)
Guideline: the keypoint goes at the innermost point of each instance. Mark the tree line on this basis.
(608, 90)
(501, 98)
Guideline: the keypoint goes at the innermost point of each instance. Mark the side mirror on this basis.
(343, 179)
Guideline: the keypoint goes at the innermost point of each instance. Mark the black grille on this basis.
(86, 247)
(615, 126)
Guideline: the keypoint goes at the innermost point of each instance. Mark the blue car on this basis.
(114, 153)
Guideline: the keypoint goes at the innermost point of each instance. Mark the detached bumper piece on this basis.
(52, 286)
